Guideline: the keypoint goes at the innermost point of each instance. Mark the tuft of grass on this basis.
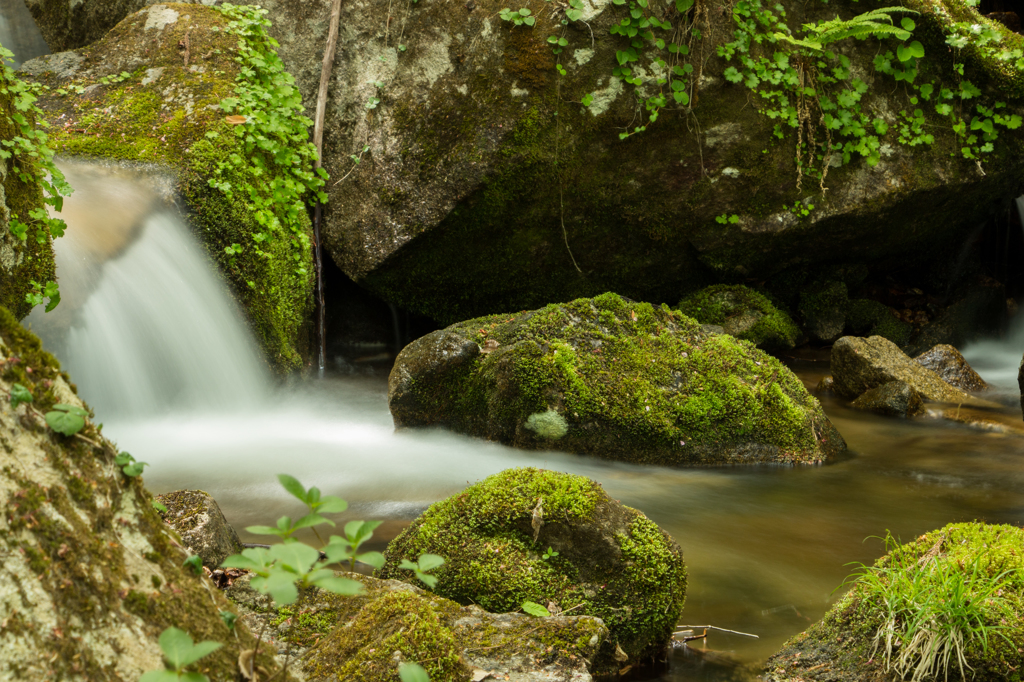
(933, 608)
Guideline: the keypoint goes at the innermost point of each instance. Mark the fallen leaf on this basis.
(480, 674)
(236, 120)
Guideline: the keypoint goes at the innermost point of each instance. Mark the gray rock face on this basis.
(71, 24)
(201, 525)
(350, 635)
(894, 398)
(860, 364)
(950, 365)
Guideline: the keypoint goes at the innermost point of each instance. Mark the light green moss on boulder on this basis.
(141, 102)
(632, 382)
(20, 261)
(612, 562)
(743, 313)
(841, 644)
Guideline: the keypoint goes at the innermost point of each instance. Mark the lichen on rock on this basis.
(91, 575)
(612, 562)
(632, 382)
(861, 364)
(201, 524)
(743, 313)
(151, 91)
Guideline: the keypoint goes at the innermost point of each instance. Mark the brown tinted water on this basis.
(766, 547)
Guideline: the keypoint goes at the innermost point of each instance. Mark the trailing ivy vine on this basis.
(29, 157)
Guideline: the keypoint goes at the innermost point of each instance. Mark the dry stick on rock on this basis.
(318, 142)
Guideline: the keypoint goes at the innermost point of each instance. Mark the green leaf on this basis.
(412, 672)
(159, 506)
(179, 649)
(332, 505)
(375, 559)
(535, 609)
(66, 423)
(428, 562)
(229, 619)
(134, 469)
(908, 24)
(292, 485)
(195, 562)
(344, 586)
(160, 676)
(19, 395)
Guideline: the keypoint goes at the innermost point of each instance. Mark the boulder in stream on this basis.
(557, 540)
(865, 317)
(823, 309)
(199, 93)
(743, 313)
(861, 364)
(91, 575)
(365, 637)
(950, 365)
(613, 378)
(199, 521)
(974, 566)
(893, 398)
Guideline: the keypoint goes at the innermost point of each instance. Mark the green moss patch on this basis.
(744, 313)
(612, 562)
(631, 382)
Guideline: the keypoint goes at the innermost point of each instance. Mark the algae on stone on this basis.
(612, 562)
(743, 313)
(150, 91)
(840, 647)
(632, 382)
(91, 575)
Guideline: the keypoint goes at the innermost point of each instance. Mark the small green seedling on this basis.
(549, 554)
(19, 395)
(179, 651)
(426, 563)
(66, 419)
(229, 619)
(194, 562)
(131, 468)
(519, 17)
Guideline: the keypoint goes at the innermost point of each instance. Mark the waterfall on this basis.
(146, 326)
(18, 32)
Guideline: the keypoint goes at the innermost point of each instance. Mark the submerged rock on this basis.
(893, 398)
(622, 380)
(91, 575)
(861, 364)
(557, 540)
(968, 571)
(950, 365)
(743, 313)
(201, 524)
(157, 90)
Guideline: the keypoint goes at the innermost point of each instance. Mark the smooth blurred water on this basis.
(19, 33)
(766, 547)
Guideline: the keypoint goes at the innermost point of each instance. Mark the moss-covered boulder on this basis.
(608, 560)
(612, 378)
(743, 313)
(357, 637)
(865, 317)
(22, 258)
(823, 310)
(947, 584)
(197, 518)
(91, 575)
(152, 91)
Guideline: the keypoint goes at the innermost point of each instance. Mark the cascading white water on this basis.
(18, 32)
(147, 327)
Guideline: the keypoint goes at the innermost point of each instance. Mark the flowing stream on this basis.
(157, 347)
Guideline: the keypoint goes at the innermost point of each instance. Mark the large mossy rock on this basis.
(21, 261)
(612, 378)
(469, 140)
(861, 364)
(365, 637)
(91, 576)
(743, 313)
(960, 558)
(612, 562)
(150, 91)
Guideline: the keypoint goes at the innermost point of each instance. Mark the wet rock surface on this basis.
(950, 365)
(862, 364)
(557, 540)
(201, 524)
(329, 637)
(894, 398)
(615, 379)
